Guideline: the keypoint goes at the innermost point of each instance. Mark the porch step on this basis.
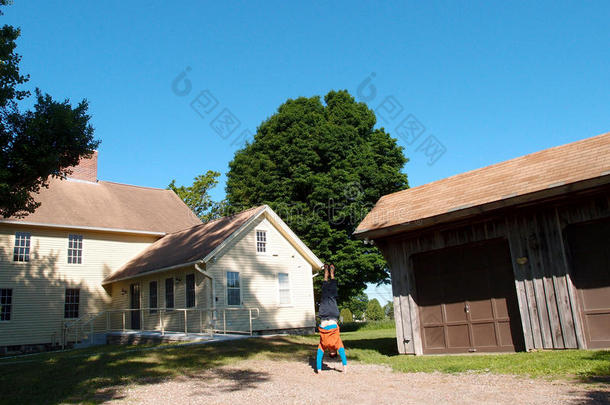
(136, 338)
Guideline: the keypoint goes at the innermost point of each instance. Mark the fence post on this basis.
(185, 328)
(200, 321)
(123, 321)
(162, 327)
(224, 320)
(250, 316)
(107, 321)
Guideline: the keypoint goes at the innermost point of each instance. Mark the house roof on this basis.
(104, 205)
(201, 243)
(533, 176)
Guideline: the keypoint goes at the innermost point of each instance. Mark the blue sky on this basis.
(489, 80)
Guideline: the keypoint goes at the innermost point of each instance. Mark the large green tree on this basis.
(321, 167)
(35, 144)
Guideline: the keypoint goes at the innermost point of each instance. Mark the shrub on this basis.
(374, 312)
(389, 310)
(346, 315)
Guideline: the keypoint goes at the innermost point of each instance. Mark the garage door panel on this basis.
(505, 334)
(458, 337)
(597, 298)
(455, 312)
(599, 330)
(501, 307)
(431, 315)
(481, 310)
(484, 335)
(434, 337)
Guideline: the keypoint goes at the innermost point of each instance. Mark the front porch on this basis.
(134, 337)
(157, 325)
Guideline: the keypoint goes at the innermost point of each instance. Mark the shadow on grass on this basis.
(370, 325)
(94, 377)
(384, 345)
(600, 372)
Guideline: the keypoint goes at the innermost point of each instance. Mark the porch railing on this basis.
(164, 320)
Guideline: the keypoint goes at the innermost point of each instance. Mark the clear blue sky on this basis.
(490, 80)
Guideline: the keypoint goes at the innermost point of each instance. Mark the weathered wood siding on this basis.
(548, 306)
(39, 285)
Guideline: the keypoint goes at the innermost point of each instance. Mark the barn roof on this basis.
(538, 175)
(103, 205)
(202, 242)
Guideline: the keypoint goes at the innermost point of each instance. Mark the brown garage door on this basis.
(467, 299)
(589, 248)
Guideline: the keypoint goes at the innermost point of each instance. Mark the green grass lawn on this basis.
(80, 375)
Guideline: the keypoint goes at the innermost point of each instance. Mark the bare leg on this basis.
(332, 271)
(326, 272)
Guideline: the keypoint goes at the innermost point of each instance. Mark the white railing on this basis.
(250, 319)
(164, 320)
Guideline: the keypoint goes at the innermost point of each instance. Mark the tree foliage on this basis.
(374, 311)
(35, 144)
(357, 304)
(321, 167)
(388, 309)
(346, 315)
(197, 197)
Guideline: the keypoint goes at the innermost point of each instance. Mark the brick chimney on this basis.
(86, 169)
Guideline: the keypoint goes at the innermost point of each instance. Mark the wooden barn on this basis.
(510, 257)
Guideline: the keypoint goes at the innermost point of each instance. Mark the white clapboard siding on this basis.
(259, 280)
(39, 285)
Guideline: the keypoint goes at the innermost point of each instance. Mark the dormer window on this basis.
(261, 241)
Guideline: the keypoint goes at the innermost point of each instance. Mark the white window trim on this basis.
(82, 251)
(290, 289)
(12, 252)
(266, 252)
(185, 290)
(241, 289)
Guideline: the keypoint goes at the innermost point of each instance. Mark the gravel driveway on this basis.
(282, 382)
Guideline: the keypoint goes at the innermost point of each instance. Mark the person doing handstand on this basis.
(330, 337)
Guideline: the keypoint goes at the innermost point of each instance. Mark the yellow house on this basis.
(111, 256)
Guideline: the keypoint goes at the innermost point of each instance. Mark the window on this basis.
(21, 252)
(6, 301)
(190, 290)
(72, 301)
(284, 284)
(233, 289)
(169, 293)
(75, 249)
(152, 296)
(261, 241)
